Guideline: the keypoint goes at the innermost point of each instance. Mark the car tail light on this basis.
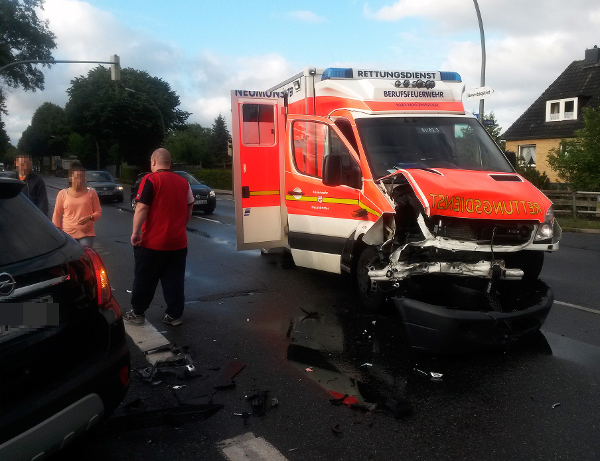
(105, 300)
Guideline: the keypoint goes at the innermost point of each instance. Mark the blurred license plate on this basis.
(200, 202)
(104, 193)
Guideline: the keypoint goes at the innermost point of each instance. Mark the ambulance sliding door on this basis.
(258, 135)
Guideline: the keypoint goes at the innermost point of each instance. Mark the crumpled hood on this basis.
(476, 194)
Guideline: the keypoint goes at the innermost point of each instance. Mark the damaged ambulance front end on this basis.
(461, 255)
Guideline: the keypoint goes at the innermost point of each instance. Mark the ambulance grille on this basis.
(458, 230)
(503, 232)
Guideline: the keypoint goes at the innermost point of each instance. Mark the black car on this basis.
(104, 185)
(204, 197)
(64, 361)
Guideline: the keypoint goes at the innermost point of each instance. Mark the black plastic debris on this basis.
(221, 380)
(258, 400)
(399, 408)
(175, 416)
(338, 402)
(180, 366)
(311, 315)
(337, 430)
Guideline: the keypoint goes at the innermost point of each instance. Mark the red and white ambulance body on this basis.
(384, 175)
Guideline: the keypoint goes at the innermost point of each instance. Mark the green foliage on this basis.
(136, 113)
(220, 141)
(4, 141)
(190, 145)
(129, 173)
(48, 133)
(23, 37)
(577, 161)
(217, 179)
(529, 172)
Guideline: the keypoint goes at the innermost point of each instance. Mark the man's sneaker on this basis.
(134, 318)
(171, 321)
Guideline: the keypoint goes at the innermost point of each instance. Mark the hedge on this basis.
(216, 179)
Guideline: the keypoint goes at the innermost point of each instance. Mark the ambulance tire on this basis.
(370, 294)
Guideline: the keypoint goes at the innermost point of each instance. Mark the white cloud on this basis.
(425, 8)
(306, 16)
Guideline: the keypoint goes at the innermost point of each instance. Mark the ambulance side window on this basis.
(258, 124)
(309, 142)
(313, 142)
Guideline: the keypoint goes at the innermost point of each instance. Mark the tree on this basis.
(190, 145)
(494, 130)
(136, 114)
(47, 134)
(4, 141)
(220, 141)
(23, 37)
(577, 161)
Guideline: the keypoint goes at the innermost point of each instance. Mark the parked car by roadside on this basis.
(64, 360)
(204, 197)
(104, 185)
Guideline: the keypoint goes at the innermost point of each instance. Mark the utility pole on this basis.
(482, 58)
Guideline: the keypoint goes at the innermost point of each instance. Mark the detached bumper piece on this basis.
(439, 329)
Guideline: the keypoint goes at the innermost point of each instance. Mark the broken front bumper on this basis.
(438, 329)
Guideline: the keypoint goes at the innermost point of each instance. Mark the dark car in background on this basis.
(104, 185)
(64, 360)
(204, 197)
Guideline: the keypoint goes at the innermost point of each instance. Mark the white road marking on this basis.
(147, 337)
(246, 447)
(575, 306)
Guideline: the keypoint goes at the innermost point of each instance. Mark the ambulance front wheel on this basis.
(371, 296)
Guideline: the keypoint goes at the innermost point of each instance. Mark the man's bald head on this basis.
(160, 160)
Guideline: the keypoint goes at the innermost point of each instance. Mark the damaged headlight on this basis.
(546, 229)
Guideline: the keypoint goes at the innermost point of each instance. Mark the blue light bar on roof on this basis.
(450, 76)
(337, 72)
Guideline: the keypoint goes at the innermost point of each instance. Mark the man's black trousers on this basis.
(152, 266)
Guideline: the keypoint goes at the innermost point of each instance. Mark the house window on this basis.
(527, 155)
(561, 109)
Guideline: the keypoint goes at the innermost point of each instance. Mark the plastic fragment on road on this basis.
(309, 369)
(175, 416)
(366, 364)
(432, 374)
(556, 405)
(337, 430)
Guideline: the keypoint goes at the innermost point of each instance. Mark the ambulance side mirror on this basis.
(512, 158)
(332, 170)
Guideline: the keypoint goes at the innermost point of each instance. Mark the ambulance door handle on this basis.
(295, 192)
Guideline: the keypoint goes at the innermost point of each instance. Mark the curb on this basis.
(581, 231)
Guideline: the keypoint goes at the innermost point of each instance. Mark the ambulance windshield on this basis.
(393, 143)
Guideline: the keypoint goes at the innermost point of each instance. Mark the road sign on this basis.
(479, 93)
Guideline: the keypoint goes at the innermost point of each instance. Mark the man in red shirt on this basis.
(164, 207)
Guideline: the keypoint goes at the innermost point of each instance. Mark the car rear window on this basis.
(24, 231)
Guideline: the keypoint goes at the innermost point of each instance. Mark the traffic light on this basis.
(115, 68)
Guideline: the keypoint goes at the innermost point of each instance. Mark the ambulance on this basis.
(383, 175)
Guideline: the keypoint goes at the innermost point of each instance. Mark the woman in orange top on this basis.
(77, 208)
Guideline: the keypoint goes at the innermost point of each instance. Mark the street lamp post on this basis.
(162, 121)
(482, 58)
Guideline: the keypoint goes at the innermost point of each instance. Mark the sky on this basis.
(205, 49)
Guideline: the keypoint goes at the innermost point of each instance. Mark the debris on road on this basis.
(337, 430)
(556, 405)
(175, 416)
